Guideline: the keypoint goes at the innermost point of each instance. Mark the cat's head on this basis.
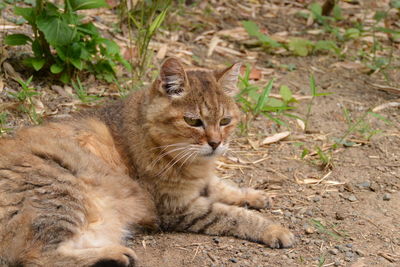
(192, 113)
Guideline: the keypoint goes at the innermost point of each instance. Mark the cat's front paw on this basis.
(257, 199)
(277, 236)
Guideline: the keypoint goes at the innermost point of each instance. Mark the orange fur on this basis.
(71, 191)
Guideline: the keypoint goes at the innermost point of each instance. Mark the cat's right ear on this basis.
(173, 78)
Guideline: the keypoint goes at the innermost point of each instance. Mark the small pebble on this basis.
(349, 254)
(387, 197)
(349, 245)
(309, 213)
(365, 185)
(374, 187)
(360, 253)
(287, 214)
(317, 199)
(216, 240)
(352, 198)
(334, 251)
(340, 248)
(233, 260)
(309, 230)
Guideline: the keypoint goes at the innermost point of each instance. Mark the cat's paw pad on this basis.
(257, 199)
(277, 236)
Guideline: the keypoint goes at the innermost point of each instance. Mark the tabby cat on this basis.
(71, 192)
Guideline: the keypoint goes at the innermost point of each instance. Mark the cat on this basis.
(72, 191)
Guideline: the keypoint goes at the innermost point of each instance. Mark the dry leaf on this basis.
(39, 107)
(275, 138)
(348, 65)
(1, 84)
(162, 51)
(9, 70)
(380, 107)
(255, 73)
(238, 34)
(213, 44)
(301, 124)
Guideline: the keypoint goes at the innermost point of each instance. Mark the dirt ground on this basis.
(344, 215)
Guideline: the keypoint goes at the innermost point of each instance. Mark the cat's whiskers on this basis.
(176, 159)
(195, 152)
(166, 146)
(159, 157)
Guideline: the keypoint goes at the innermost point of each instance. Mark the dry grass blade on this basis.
(390, 89)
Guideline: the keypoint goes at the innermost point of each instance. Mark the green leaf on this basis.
(379, 15)
(275, 103)
(111, 47)
(77, 63)
(87, 4)
(386, 30)
(316, 10)
(264, 96)
(352, 33)
(56, 31)
(252, 28)
(380, 117)
(337, 12)
(37, 48)
(395, 3)
(17, 39)
(300, 46)
(56, 68)
(312, 85)
(157, 22)
(327, 46)
(38, 63)
(254, 31)
(26, 13)
(285, 93)
(65, 78)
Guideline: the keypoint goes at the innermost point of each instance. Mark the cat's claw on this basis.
(277, 236)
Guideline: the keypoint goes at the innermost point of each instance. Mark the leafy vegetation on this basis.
(256, 101)
(64, 42)
(25, 98)
(146, 17)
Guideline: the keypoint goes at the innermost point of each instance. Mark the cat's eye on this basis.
(193, 121)
(225, 121)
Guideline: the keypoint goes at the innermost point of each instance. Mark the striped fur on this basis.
(72, 191)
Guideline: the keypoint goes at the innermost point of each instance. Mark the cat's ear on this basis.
(173, 78)
(228, 79)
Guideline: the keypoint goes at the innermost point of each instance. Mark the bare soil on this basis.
(345, 215)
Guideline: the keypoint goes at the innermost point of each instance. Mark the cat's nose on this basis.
(214, 144)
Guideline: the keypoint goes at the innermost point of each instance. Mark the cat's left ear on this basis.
(173, 78)
(228, 79)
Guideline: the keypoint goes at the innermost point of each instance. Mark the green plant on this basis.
(360, 125)
(147, 17)
(81, 92)
(64, 43)
(297, 46)
(314, 94)
(3, 121)
(25, 97)
(256, 101)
